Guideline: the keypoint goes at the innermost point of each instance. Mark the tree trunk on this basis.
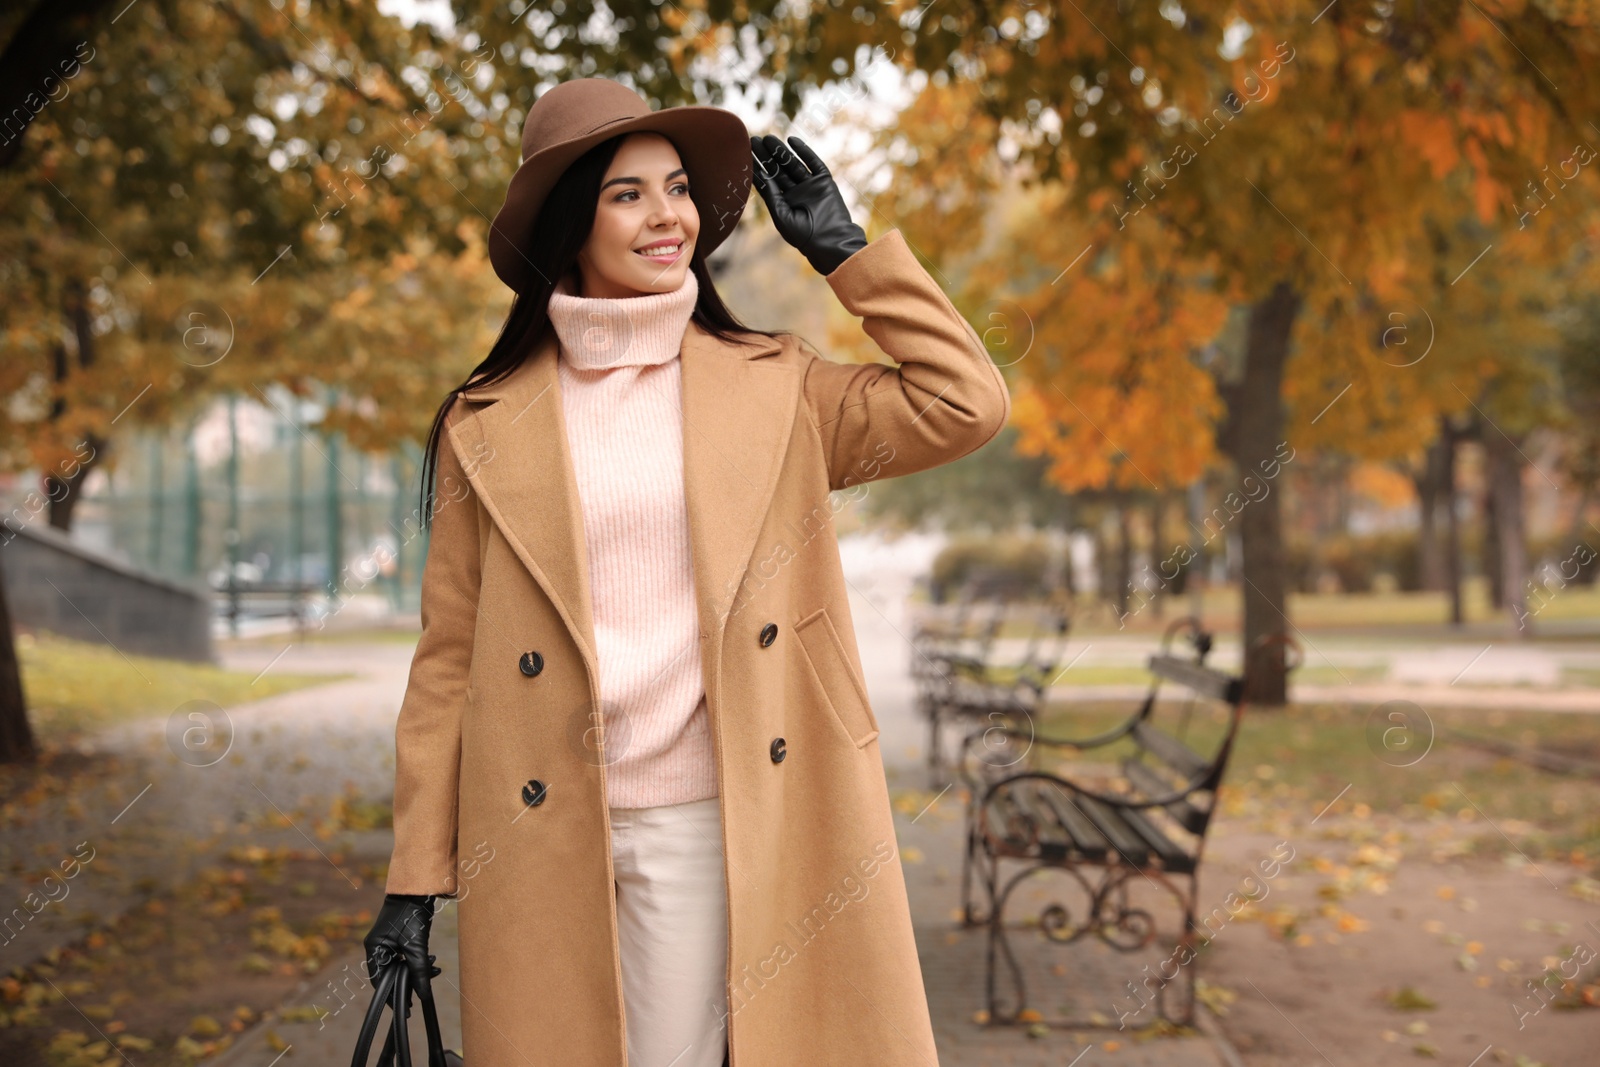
(1252, 437)
(1452, 545)
(63, 488)
(1102, 560)
(65, 493)
(1432, 493)
(16, 736)
(1340, 481)
(1124, 575)
(1505, 487)
(1159, 581)
(1491, 537)
(1199, 568)
(44, 45)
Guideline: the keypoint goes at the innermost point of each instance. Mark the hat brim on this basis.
(713, 143)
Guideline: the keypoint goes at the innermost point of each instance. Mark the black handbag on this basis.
(394, 991)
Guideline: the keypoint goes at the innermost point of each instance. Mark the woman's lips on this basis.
(670, 258)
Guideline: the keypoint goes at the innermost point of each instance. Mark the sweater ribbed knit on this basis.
(621, 386)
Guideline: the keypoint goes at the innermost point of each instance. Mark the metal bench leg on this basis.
(998, 941)
(1188, 940)
(971, 860)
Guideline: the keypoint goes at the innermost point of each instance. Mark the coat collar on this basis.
(738, 412)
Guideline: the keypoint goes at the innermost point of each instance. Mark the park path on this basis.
(177, 792)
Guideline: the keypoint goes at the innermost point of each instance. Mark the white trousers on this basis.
(672, 926)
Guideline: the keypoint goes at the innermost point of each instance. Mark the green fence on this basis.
(256, 491)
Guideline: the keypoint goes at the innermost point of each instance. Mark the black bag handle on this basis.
(394, 991)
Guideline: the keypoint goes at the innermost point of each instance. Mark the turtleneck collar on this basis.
(601, 333)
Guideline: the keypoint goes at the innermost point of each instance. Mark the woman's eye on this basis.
(682, 187)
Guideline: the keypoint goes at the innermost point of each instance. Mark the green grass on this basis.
(1585, 677)
(1102, 675)
(1136, 675)
(363, 635)
(73, 687)
(1302, 756)
(1325, 674)
(1330, 612)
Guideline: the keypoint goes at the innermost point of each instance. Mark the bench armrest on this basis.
(1113, 799)
(1093, 741)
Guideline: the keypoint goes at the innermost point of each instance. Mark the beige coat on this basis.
(499, 709)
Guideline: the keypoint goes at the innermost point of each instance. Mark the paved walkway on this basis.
(181, 790)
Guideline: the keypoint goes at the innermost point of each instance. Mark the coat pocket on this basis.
(840, 686)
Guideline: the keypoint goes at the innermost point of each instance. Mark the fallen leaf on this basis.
(1408, 999)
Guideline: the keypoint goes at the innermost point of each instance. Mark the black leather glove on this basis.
(401, 933)
(805, 203)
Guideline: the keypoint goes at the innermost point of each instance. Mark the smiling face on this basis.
(644, 204)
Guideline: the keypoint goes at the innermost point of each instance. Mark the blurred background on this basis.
(1297, 307)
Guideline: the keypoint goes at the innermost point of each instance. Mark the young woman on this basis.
(636, 746)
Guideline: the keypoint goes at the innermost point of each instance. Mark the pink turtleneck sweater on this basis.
(621, 396)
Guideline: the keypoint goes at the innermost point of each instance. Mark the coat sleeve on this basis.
(428, 734)
(944, 400)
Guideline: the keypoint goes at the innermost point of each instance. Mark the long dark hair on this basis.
(559, 233)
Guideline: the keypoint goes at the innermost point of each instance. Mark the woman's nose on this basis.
(662, 212)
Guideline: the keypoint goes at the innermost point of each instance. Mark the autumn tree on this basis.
(1308, 153)
(200, 198)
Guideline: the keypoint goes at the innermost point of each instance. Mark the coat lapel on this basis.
(738, 413)
(525, 480)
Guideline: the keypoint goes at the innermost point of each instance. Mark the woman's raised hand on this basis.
(805, 203)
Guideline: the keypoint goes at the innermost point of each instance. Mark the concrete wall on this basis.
(53, 584)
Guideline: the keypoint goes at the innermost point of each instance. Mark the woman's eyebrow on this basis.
(640, 181)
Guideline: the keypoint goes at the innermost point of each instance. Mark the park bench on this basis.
(959, 676)
(960, 636)
(263, 600)
(1146, 824)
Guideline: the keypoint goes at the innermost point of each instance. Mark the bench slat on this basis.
(1008, 820)
(1204, 680)
(1054, 841)
(1149, 782)
(1188, 763)
(1128, 843)
(1085, 835)
(1173, 857)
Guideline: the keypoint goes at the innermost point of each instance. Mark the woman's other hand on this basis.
(805, 203)
(401, 932)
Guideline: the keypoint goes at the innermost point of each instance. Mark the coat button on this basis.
(531, 663)
(533, 793)
(778, 750)
(769, 634)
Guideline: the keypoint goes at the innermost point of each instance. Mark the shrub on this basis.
(1345, 557)
(1356, 562)
(1007, 564)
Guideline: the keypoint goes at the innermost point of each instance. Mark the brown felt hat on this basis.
(573, 117)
